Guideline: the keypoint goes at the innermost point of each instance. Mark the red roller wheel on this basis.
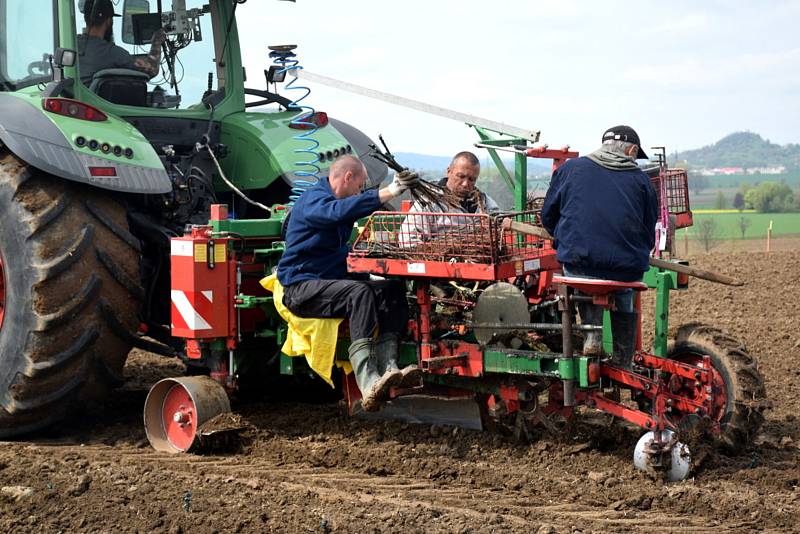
(176, 407)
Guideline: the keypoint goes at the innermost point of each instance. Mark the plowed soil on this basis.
(306, 468)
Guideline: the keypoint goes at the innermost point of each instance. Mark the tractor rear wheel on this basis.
(738, 384)
(69, 295)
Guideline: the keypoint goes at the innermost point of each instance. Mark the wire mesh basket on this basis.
(449, 245)
(672, 187)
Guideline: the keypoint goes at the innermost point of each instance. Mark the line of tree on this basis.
(767, 197)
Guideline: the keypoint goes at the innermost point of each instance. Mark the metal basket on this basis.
(449, 245)
(672, 187)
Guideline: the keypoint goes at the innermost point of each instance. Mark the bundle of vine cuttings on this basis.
(423, 193)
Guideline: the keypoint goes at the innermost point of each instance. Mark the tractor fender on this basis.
(35, 139)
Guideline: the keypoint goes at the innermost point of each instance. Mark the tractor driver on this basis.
(602, 211)
(313, 273)
(98, 52)
(460, 178)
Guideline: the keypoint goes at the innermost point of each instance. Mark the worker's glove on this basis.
(402, 182)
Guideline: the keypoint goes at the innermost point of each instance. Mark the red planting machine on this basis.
(493, 326)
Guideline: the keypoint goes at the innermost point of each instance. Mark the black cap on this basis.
(627, 134)
(103, 10)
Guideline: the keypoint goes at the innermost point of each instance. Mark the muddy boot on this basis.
(387, 350)
(592, 314)
(624, 330)
(374, 387)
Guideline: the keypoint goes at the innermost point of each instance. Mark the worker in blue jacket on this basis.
(602, 211)
(313, 273)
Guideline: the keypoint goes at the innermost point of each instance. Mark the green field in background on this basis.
(728, 224)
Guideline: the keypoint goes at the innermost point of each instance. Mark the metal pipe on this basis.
(566, 338)
(535, 326)
(546, 304)
(231, 370)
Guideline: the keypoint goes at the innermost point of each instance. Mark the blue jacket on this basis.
(319, 229)
(603, 220)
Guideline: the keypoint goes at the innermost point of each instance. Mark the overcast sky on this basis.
(681, 73)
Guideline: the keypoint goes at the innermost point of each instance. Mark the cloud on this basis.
(695, 71)
(749, 71)
(687, 23)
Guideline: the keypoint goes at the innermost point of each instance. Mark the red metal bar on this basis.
(673, 367)
(655, 390)
(597, 400)
(456, 358)
(425, 308)
(450, 271)
(559, 156)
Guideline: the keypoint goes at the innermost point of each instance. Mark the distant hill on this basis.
(438, 164)
(743, 149)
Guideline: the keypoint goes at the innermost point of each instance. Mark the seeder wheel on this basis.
(176, 408)
(668, 456)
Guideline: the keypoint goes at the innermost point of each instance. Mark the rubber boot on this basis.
(624, 328)
(387, 351)
(591, 314)
(374, 387)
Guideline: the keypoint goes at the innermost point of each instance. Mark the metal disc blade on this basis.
(499, 303)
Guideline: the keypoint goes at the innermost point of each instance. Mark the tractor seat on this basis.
(126, 87)
(596, 286)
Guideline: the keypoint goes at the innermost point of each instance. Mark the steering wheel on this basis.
(267, 98)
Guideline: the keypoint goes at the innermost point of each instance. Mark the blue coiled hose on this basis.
(307, 170)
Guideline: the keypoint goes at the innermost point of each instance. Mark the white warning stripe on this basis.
(180, 247)
(209, 295)
(188, 313)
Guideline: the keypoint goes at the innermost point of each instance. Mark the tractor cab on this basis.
(112, 66)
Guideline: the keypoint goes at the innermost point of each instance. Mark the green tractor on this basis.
(96, 176)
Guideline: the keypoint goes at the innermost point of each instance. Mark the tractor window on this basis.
(27, 39)
(182, 76)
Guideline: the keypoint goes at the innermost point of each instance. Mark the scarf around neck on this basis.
(612, 160)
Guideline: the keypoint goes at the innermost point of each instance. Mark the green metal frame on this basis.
(663, 282)
(265, 146)
(519, 183)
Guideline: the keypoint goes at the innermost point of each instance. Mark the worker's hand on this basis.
(408, 178)
(402, 182)
(159, 36)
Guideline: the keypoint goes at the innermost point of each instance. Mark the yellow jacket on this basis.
(313, 338)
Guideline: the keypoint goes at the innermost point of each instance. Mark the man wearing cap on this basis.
(97, 51)
(602, 211)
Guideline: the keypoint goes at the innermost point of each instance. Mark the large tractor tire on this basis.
(69, 295)
(737, 381)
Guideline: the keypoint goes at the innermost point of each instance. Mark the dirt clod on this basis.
(82, 485)
(16, 493)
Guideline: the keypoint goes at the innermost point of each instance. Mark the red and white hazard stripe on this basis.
(192, 308)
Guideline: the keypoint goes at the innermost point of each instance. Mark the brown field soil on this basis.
(306, 468)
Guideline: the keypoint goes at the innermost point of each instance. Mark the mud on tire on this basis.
(742, 416)
(71, 275)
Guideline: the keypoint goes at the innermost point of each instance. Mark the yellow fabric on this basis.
(313, 338)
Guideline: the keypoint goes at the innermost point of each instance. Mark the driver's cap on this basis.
(98, 10)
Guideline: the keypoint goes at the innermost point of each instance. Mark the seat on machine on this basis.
(127, 87)
(596, 286)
